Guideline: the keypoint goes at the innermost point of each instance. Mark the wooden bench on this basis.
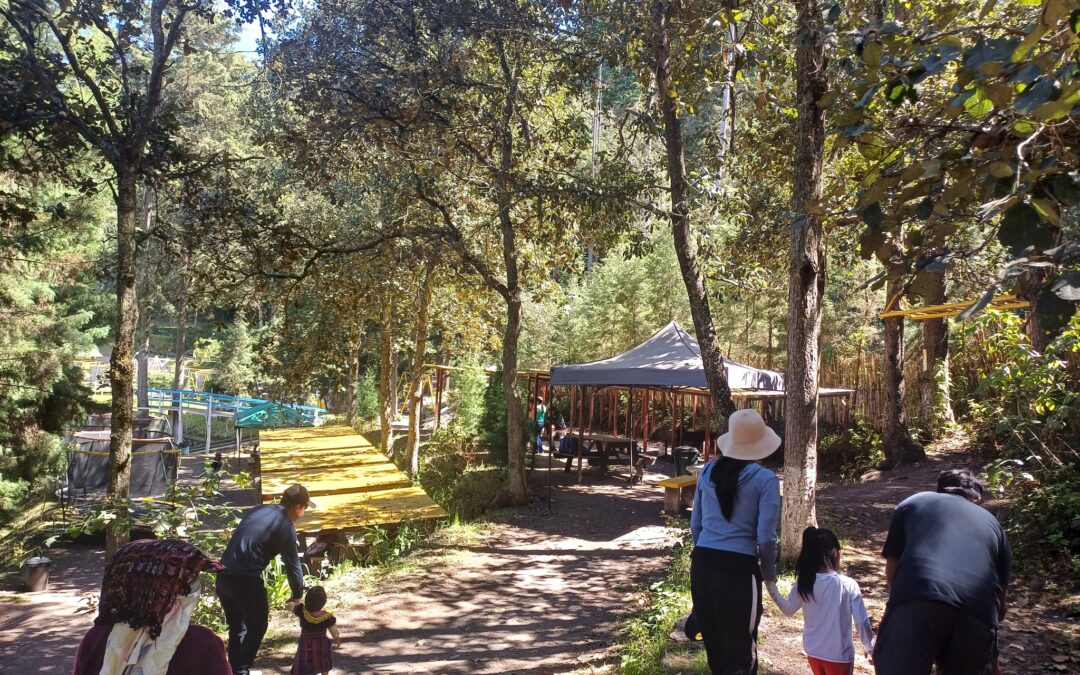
(678, 493)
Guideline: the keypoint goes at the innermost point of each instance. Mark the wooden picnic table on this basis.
(607, 443)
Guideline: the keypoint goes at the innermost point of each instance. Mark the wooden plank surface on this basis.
(353, 484)
(363, 509)
(313, 438)
(279, 463)
(335, 480)
(316, 445)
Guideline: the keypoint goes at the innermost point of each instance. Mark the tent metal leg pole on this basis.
(209, 420)
(551, 450)
(630, 430)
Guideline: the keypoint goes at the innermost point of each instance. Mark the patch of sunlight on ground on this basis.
(460, 533)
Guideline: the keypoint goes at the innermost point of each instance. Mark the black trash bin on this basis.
(685, 456)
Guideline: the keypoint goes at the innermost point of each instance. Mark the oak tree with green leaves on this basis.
(97, 75)
(476, 103)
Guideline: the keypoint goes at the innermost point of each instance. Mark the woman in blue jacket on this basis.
(736, 508)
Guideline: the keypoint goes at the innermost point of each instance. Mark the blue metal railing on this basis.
(221, 403)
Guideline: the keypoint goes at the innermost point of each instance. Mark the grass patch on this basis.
(647, 645)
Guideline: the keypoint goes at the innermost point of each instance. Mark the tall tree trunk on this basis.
(416, 390)
(806, 284)
(353, 378)
(1032, 285)
(685, 245)
(900, 448)
(142, 287)
(515, 432)
(386, 380)
(121, 364)
(515, 435)
(935, 394)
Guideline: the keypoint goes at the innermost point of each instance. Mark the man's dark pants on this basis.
(243, 598)
(918, 634)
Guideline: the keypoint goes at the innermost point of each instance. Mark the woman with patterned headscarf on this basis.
(143, 625)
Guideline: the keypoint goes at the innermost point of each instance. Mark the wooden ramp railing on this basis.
(352, 484)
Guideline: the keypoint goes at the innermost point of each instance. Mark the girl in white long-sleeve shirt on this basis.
(830, 602)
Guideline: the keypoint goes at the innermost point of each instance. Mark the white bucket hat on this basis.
(748, 438)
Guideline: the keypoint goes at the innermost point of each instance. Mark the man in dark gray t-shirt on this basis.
(947, 565)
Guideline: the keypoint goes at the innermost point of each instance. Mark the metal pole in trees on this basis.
(630, 429)
(581, 433)
(209, 418)
(180, 419)
(551, 452)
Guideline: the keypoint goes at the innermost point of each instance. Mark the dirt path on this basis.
(534, 592)
(39, 632)
(546, 592)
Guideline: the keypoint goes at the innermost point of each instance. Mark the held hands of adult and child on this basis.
(947, 568)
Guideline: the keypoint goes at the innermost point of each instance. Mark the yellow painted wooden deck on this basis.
(352, 483)
(333, 480)
(318, 459)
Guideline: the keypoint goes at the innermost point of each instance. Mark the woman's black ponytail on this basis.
(725, 478)
(818, 548)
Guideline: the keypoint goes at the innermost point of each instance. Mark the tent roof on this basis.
(670, 358)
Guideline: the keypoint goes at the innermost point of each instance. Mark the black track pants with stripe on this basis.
(726, 588)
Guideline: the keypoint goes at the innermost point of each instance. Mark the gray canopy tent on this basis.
(670, 360)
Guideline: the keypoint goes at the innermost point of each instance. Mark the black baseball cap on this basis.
(296, 494)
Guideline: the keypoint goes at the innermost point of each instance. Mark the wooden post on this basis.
(613, 410)
(621, 421)
(682, 414)
(671, 447)
(592, 408)
(581, 433)
(708, 429)
(630, 424)
(644, 428)
(693, 415)
(438, 395)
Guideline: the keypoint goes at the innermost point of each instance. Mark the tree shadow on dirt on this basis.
(541, 592)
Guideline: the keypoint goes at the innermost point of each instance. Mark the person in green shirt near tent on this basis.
(541, 415)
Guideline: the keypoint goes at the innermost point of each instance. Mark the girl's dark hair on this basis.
(725, 477)
(315, 598)
(818, 547)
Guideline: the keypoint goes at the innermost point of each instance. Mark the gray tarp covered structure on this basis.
(154, 458)
(670, 358)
